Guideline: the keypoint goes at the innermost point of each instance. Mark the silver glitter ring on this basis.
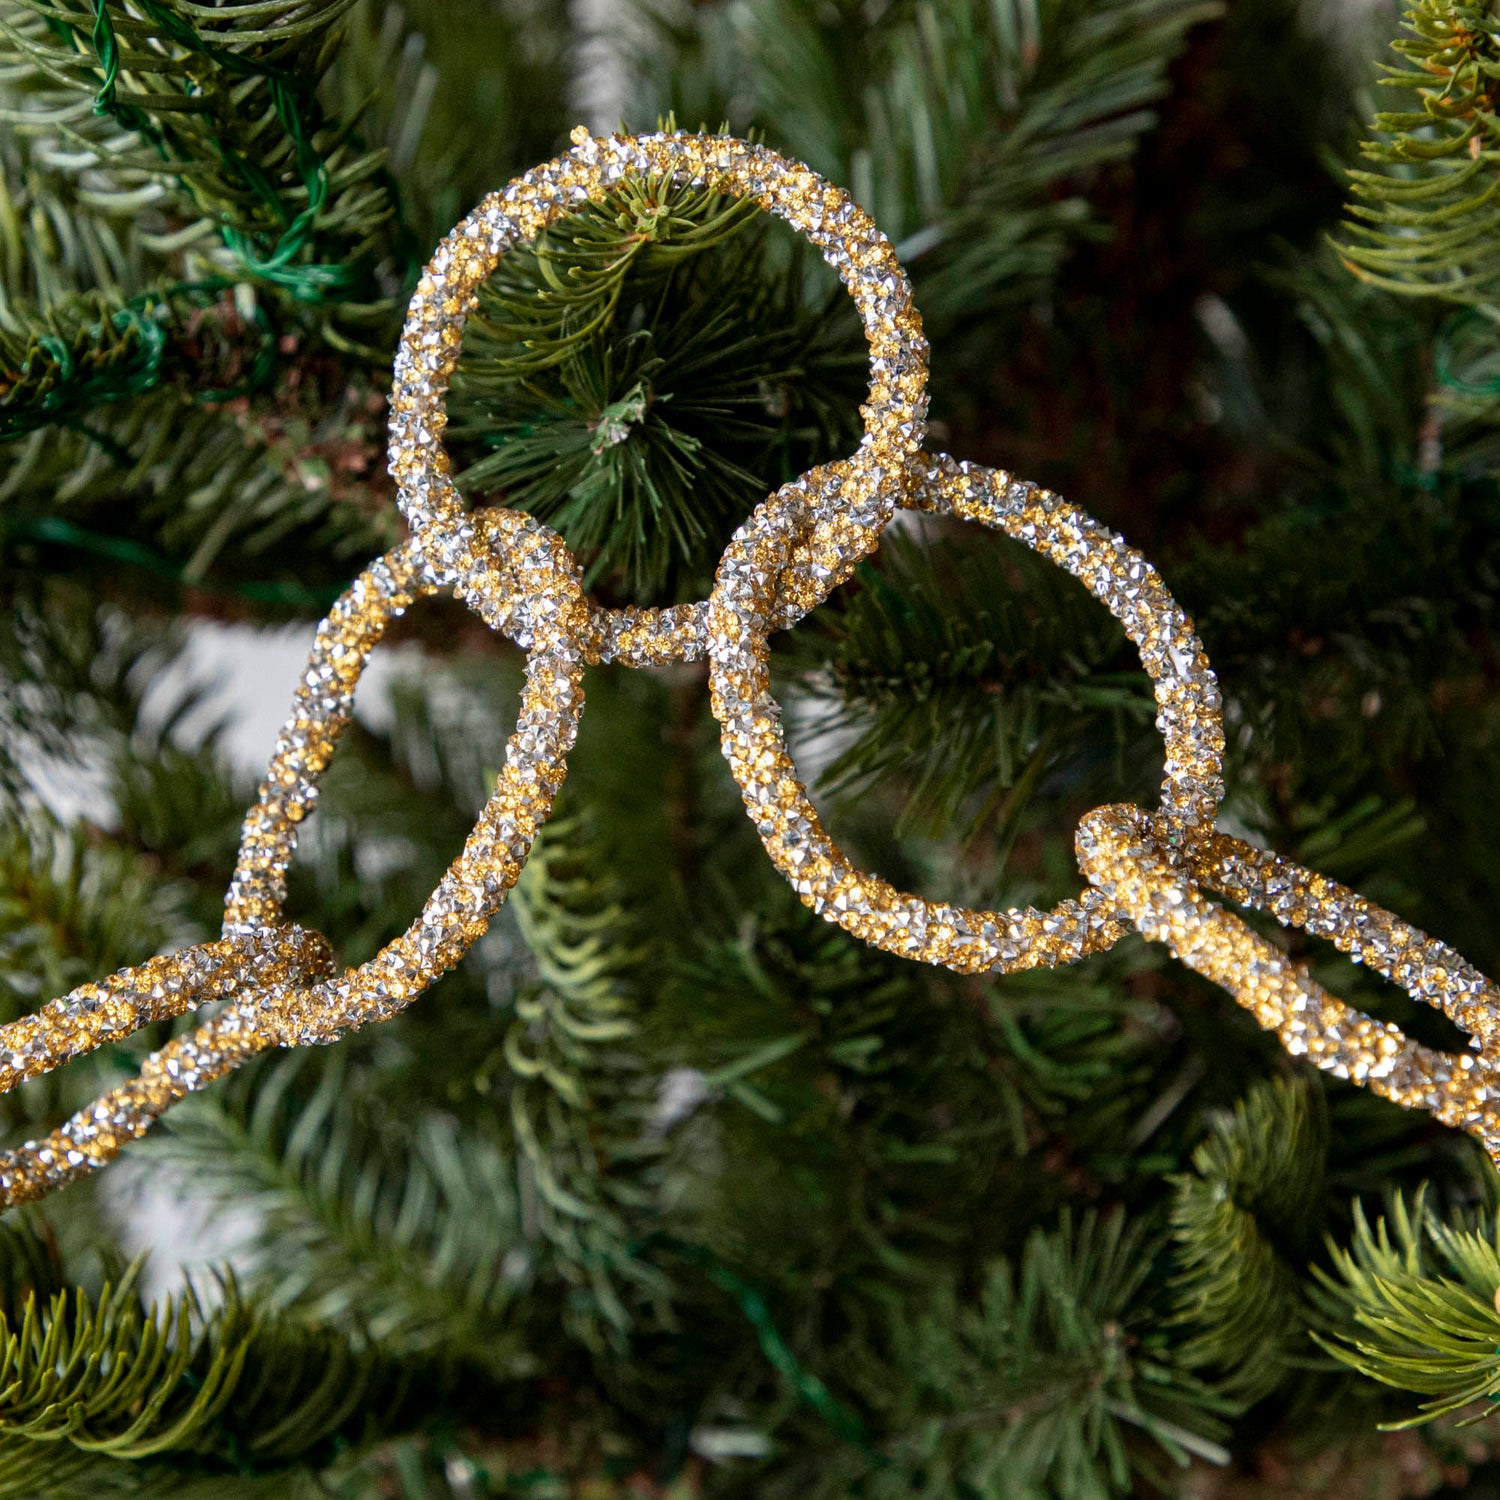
(894, 413)
(524, 562)
(1136, 860)
(241, 967)
(741, 616)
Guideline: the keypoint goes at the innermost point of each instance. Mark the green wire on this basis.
(74, 389)
(753, 1305)
(1459, 325)
(313, 282)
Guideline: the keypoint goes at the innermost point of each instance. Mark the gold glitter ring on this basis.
(894, 413)
(531, 588)
(94, 1015)
(754, 743)
(278, 979)
(1144, 869)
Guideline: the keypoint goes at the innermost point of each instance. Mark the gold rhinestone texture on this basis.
(270, 984)
(530, 584)
(253, 968)
(894, 413)
(754, 743)
(280, 980)
(1132, 858)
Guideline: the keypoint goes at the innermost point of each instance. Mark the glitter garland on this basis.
(1146, 871)
(282, 981)
(755, 745)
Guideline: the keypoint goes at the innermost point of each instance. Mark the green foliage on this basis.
(222, 111)
(968, 129)
(415, 1240)
(886, 1096)
(578, 1097)
(89, 350)
(72, 908)
(1244, 1225)
(71, 676)
(126, 263)
(671, 1189)
(270, 504)
(456, 120)
(227, 1387)
(970, 674)
(432, 1240)
(1054, 1376)
(1428, 224)
(647, 372)
(1411, 1302)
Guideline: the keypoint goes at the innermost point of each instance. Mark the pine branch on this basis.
(1410, 1302)
(1428, 224)
(181, 806)
(416, 1243)
(975, 674)
(1365, 603)
(74, 356)
(993, 117)
(71, 675)
(268, 500)
(969, 129)
(925, 1123)
(647, 372)
(1056, 1378)
(1244, 1224)
(221, 108)
(75, 906)
(125, 277)
(578, 1096)
(456, 120)
(1106, 1076)
(179, 1389)
(72, 908)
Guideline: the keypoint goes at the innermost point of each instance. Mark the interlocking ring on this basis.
(741, 617)
(894, 415)
(280, 980)
(1138, 864)
(1144, 870)
(529, 584)
(93, 1015)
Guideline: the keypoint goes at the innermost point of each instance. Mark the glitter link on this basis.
(742, 613)
(280, 980)
(531, 589)
(94, 1014)
(1132, 858)
(895, 412)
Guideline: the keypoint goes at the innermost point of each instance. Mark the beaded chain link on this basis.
(278, 985)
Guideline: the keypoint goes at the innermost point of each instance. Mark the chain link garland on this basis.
(1146, 871)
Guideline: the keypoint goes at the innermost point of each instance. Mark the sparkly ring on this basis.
(741, 616)
(94, 1015)
(1136, 863)
(531, 588)
(278, 979)
(894, 414)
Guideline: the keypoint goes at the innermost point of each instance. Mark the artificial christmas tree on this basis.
(669, 1188)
